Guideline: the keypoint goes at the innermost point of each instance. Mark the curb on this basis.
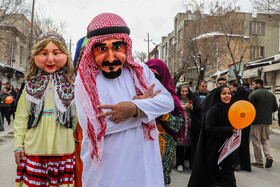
(274, 131)
(6, 133)
(275, 128)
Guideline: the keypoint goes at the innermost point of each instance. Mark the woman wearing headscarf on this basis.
(241, 156)
(215, 131)
(13, 104)
(170, 125)
(183, 149)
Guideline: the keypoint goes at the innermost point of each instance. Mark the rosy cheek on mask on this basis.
(61, 58)
(40, 58)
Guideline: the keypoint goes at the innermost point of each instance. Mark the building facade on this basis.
(15, 31)
(179, 50)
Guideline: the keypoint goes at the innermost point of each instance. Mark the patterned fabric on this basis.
(167, 158)
(88, 71)
(167, 143)
(48, 112)
(36, 88)
(46, 171)
(36, 91)
(51, 35)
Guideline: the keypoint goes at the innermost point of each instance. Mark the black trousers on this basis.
(182, 153)
(227, 177)
(5, 111)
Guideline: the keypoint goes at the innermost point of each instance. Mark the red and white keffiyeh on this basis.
(87, 94)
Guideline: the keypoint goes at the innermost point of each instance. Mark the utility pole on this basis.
(31, 29)
(148, 45)
(30, 43)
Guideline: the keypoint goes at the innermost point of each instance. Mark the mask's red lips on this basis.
(50, 66)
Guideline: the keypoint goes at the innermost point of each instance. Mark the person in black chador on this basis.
(215, 131)
(5, 107)
(13, 104)
(183, 149)
(241, 156)
(195, 124)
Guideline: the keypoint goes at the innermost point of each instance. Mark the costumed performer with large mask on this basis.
(116, 108)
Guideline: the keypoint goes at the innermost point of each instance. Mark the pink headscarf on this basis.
(102, 27)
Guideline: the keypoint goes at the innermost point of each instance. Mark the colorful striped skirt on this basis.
(46, 171)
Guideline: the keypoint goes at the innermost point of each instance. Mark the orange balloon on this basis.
(241, 114)
(9, 99)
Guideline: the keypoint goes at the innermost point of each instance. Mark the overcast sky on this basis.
(155, 17)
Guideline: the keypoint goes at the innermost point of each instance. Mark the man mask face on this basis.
(110, 55)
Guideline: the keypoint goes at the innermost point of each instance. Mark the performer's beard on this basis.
(112, 74)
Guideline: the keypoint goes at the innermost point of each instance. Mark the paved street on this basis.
(257, 178)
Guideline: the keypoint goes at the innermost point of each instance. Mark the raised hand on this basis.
(148, 93)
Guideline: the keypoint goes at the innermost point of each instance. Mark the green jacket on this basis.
(265, 104)
(3, 98)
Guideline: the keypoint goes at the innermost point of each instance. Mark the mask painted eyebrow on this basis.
(119, 43)
(99, 45)
(53, 49)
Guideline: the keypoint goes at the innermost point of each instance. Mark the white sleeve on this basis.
(154, 107)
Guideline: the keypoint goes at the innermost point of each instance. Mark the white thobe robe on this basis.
(129, 160)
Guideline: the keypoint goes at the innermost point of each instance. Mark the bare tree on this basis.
(195, 5)
(11, 7)
(267, 6)
(228, 43)
(47, 23)
(141, 56)
(198, 53)
(228, 22)
(271, 7)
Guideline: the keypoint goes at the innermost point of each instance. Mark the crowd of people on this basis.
(111, 121)
(8, 109)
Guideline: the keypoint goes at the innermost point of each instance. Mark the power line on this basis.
(163, 21)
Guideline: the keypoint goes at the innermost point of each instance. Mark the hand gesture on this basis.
(119, 112)
(189, 106)
(148, 93)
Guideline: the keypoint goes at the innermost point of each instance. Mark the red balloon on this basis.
(241, 114)
(9, 100)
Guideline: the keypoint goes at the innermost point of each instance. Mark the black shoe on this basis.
(268, 163)
(237, 167)
(257, 165)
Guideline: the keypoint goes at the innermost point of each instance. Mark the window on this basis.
(256, 52)
(163, 52)
(175, 27)
(171, 44)
(180, 34)
(257, 28)
(21, 56)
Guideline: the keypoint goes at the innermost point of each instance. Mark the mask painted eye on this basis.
(45, 54)
(117, 47)
(55, 53)
(102, 48)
